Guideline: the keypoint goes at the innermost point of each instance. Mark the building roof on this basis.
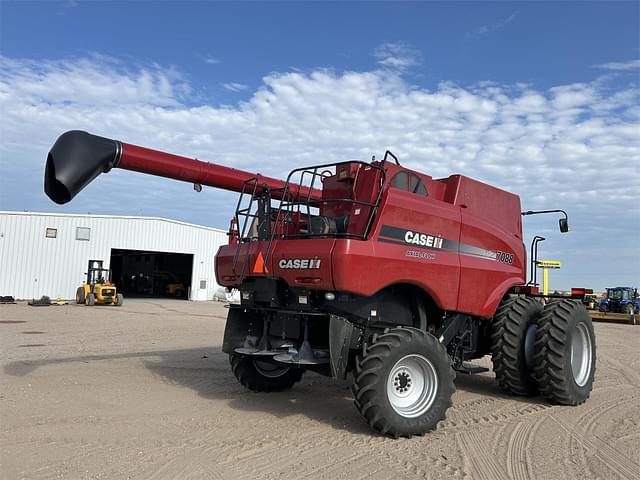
(128, 217)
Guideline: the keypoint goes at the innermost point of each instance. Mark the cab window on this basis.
(409, 182)
(401, 181)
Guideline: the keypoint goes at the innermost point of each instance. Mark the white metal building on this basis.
(48, 254)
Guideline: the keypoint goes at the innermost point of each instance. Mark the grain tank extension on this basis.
(373, 272)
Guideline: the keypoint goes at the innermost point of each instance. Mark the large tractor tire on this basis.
(513, 333)
(90, 299)
(80, 295)
(119, 300)
(262, 376)
(565, 353)
(403, 382)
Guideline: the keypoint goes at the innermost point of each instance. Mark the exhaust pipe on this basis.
(75, 160)
(78, 157)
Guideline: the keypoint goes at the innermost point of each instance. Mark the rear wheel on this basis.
(80, 295)
(513, 334)
(403, 382)
(263, 376)
(90, 299)
(179, 293)
(565, 358)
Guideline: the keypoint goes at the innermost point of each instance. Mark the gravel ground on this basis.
(143, 391)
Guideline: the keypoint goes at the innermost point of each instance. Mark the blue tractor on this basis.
(621, 300)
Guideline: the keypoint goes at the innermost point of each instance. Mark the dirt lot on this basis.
(143, 391)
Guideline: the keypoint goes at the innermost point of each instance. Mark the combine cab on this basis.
(373, 272)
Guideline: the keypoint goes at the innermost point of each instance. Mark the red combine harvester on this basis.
(373, 270)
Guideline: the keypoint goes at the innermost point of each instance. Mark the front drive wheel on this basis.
(565, 353)
(80, 295)
(119, 300)
(90, 299)
(262, 376)
(403, 382)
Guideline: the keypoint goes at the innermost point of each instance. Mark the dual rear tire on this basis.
(548, 350)
(565, 353)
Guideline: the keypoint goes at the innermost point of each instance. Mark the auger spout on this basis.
(78, 157)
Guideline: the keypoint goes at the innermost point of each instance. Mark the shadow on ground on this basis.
(207, 371)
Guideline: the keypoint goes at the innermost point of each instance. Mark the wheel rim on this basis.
(529, 339)
(581, 354)
(269, 370)
(412, 386)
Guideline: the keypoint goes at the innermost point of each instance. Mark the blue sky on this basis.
(538, 98)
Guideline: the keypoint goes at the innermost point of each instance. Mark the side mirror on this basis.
(564, 225)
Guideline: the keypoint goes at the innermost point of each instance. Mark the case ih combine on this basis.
(372, 270)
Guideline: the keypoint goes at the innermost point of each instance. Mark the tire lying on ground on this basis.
(262, 376)
(565, 353)
(403, 382)
(513, 333)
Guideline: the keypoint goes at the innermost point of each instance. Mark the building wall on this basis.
(32, 265)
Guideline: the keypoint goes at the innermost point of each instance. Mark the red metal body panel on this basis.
(155, 162)
(316, 250)
(437, 273)
(491, 221)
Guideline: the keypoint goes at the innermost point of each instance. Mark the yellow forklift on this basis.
(98, 287)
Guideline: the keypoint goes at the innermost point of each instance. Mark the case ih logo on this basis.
(300, 263)
(402, 236)
(422, 239)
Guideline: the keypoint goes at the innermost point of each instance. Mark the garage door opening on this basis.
(141, 273)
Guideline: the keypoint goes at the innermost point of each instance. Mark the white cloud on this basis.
(572, 146)
(397, 55)
(630, 65)
(235, 87)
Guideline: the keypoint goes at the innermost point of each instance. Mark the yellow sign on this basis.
(549, 264)
(546, 265)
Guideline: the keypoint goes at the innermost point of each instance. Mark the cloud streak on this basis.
(235, 87)
(486, 29)
(620, 66)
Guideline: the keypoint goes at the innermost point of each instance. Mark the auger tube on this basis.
(78, 157)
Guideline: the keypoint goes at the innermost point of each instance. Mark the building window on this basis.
(51, 232)
(83, 233)
(203, 284)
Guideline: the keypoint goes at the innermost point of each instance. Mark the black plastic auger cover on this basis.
(75, 160)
